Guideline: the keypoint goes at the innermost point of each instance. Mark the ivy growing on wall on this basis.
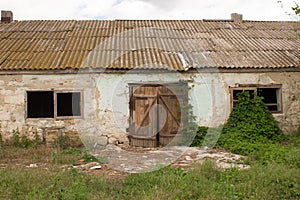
(249, 123)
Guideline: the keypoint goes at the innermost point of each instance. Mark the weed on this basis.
(65, 140)
(37, 140)
(62, 141)
(15, 140)
(206, 136)
(189, 126)
(72, 155)
(54, 156)
(72, 151)
(250, 125)
(23, 141)
(1, 139)
(87, 157)
(204, 181)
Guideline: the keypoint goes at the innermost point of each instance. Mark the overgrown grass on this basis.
(52, 184)
(274, 172)
(43, 154)
(205, 181)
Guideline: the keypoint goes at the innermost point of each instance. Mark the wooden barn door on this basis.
(154, 114)
(169, 100)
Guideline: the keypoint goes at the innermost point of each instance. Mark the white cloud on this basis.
(148, 9)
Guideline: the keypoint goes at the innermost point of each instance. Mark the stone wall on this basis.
(106, 101)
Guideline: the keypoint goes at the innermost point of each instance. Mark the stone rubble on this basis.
(145, 160)
(180, 157)
(224, 160)
(32, 166)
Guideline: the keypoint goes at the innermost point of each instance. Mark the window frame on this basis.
(55, 104)
(68, 91)
(26, 105)
(255, 88)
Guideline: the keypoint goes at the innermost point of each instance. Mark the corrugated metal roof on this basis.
(148, 44)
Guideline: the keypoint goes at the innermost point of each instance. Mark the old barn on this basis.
(120, 81)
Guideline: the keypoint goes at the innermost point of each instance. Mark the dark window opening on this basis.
(40, 104)
(271, 96)
(68, 104)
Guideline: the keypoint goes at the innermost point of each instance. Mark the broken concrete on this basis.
(175, 156)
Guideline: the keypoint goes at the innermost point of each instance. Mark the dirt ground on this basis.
(120, 162)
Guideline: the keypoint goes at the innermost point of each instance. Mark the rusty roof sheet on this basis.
(148, 44)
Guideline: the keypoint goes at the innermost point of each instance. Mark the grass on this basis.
(203, 182)
(274, 174)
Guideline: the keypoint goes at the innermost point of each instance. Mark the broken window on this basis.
(51, 104)
(271, 95)
(68, 104)
(40, 104)
(270, 98)
(236, 91)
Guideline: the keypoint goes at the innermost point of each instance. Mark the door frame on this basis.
(132, 87)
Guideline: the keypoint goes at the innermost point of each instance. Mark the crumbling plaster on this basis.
(106, 100)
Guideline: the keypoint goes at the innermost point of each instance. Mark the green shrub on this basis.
(35, 142)
(199, 137)
(23, 141)
(16, 139)
(250, 125)
(87, 157)
(66, 140)
(207, 137)
(189, 127)
(62, 141)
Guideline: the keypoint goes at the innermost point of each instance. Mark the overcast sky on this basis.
(149, 9)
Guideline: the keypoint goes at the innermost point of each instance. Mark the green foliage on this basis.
(28, 184)
(269, 180)
(267, 154)
(35, 142)
(296, 8)
(207, 137)
(65, 140)
(72, 155)
(1, 139)
(62, 141)
(15, 140)
(77, 188)
(189, 126)
(54, 157)
(87, 157)
(24, 141)
(72, 151)
(200, 136)
(250, 124)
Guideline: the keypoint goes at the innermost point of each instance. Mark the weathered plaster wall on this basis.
(290, 117)
(13, 103)
(106, 101)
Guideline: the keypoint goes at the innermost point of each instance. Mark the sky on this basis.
(262, 10)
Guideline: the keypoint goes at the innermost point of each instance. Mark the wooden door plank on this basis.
(145, 115)
(170, 111)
